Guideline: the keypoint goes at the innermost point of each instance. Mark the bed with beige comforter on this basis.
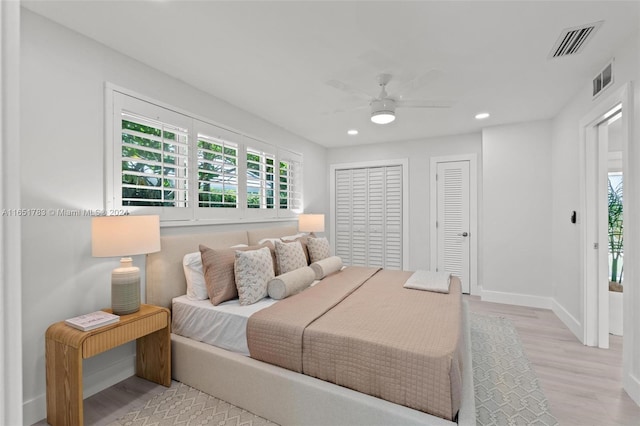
(361, 329)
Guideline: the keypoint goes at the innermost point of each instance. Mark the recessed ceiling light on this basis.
(352, 132)
(482, 115)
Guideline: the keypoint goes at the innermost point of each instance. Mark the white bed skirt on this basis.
(290, 398)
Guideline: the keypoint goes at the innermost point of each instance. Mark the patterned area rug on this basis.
(184, 405)
(506, 388)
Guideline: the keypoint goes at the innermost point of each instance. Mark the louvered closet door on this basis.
(453, 220)
(393, 218)
(369, 216)
(375, 236)
(359, 217)
(342, 241)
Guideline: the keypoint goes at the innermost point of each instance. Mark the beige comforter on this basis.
(361, 329)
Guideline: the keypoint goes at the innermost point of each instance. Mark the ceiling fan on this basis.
(383, 107)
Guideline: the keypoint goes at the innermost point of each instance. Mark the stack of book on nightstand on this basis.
(93, 320)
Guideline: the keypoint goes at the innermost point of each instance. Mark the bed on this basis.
(283, 396)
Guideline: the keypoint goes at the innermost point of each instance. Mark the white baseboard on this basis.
(632, 387)
(516, 299)
(569, 320)
(35, 409)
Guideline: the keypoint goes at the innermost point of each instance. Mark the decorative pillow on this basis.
(196, 285)
(253, 271)
(292, 282)
(327, 266)
(318, 249)
(219, 274)
(289, 256)
(302, 239)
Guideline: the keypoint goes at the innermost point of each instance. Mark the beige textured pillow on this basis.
(291, 283)
(218, 268)
(327, 266)
(318, 249)
(289, 256)
(253, 271)
(302, 239)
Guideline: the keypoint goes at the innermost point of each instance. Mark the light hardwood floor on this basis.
(583, 384)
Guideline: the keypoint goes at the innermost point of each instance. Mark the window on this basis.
(164, 162)
(154, 162)
(217, 173)
(260, 179)
(290, 191)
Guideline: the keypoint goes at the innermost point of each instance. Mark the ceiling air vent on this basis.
(603, 80)
(573, 40)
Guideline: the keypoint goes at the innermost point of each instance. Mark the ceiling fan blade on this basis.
(341, 110)
(348, 89)
(409, 103)
(419, 82)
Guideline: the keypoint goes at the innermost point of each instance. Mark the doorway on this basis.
(599, 246)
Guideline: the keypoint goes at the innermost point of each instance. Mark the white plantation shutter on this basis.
(368, 216)
(393, 218)
(359, 214)
(290, 183)
(343, 215)
(260, 179)
(452, 221)
(150, 163)
(161, 161)
(154, 162)
(376, 216)
(218, 154)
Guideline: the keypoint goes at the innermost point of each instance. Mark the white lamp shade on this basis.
(311, 223)
(113, 236)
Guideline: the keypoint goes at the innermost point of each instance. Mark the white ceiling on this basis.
(274, 59)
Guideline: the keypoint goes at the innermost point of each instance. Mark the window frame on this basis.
(118, 99)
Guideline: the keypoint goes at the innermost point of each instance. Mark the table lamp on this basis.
(113, 236)
(311, 223)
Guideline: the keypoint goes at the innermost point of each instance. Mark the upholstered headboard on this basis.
(164, 272)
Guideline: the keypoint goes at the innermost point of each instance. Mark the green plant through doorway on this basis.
(615, 231)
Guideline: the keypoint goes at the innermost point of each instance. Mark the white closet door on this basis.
(343, 214)
(376, 217)
(393, 218)
(368, 210)
(453, 220)
(359, 217)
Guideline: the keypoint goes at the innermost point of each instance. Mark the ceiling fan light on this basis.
(382, 117)
(383, 111)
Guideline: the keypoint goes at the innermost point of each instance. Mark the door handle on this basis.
(464, 234)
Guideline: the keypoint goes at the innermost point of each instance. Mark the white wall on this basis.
(565, 169)
(62, 126)
(517, 213)
(10, 270)
(419, 154)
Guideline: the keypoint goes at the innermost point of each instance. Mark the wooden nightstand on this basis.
(66, 347)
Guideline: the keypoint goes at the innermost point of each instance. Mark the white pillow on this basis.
(196, 286)
(253, 270)
(290, 256)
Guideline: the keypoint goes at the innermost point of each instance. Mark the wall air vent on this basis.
(573, 40)
(603, 80)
